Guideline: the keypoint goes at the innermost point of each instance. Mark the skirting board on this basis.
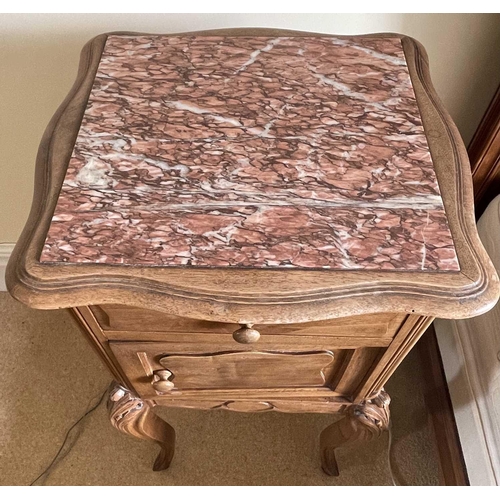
(473, 403)
(470, 350)
(5, 252)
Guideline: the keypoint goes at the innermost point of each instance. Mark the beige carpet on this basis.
(49, 373)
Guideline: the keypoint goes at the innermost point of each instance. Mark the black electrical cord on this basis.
(59, 456)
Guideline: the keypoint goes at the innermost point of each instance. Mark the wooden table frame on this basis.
(259, 296)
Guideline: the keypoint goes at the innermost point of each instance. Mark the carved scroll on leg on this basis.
(132, 415)
(361, 422)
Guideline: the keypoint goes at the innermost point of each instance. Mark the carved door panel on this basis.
(252, 370)
(153, 372)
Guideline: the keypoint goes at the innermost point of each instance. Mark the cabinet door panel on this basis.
(252, 370)
(147, 363)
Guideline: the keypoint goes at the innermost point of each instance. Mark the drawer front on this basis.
(118, 318)
(159, 370)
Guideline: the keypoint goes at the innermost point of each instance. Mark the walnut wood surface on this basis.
(327, 380)
(361, 364)
(227, 368)
(288, 405)
(116, 318)
(249, 296)
(250, 370)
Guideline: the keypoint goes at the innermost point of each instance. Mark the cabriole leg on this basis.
(133, 416)
(362, 422)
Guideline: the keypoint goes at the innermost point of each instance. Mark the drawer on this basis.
(118, 318)
(155, 369)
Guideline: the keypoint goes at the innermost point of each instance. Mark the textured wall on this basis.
(39, 57)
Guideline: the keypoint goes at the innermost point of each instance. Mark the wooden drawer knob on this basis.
(161, 382)
(246, 335)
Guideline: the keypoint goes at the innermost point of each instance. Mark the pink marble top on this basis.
(289, 152)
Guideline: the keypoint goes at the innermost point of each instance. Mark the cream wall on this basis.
(39, 56)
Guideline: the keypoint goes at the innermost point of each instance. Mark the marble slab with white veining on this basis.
(293, 152)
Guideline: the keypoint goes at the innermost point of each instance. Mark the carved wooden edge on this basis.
(361, 422)
(99, 343)
(373, 413)
(257, 295)
(409, 333)
(257, 405)
(131, 415)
